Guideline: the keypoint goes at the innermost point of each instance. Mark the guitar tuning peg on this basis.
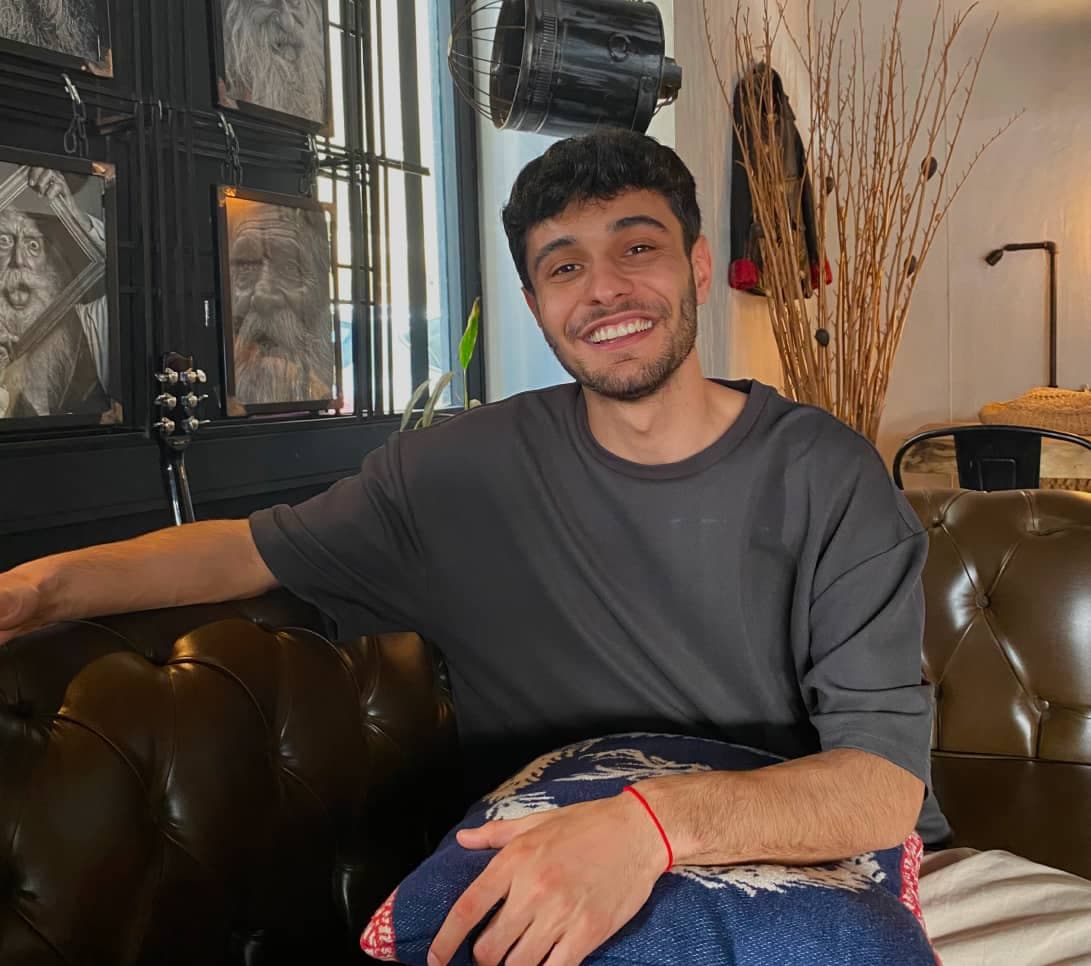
(194, 377)
(168, 376)
(165, 426)
(192, 400)
(166, 400)
(193, 424)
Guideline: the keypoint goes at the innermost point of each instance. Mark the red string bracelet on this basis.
(659, 825)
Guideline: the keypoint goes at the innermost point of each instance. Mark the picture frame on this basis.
(61, 350)
(279, 339)
(287, 79)
(80, 37)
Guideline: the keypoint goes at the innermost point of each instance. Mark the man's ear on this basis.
(701, 261)
(532, 304)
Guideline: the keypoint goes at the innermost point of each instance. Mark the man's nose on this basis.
(607, 284)
(18, 255)
(267, 290)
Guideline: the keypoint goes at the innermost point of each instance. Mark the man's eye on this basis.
(640, 249)
(34, 247)
(566, 269)
(7, 241)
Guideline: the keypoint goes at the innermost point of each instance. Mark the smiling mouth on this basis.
(614, 333)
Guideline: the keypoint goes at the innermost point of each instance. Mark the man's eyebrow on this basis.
(633, 221)
(629, 221)
(549, 248)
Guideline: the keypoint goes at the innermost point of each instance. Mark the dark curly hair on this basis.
(597, 167)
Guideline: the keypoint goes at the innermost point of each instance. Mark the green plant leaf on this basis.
(407, 413)
(430, 406)
(469, 336)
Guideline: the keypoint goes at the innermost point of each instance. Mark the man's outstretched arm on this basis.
(199, 563)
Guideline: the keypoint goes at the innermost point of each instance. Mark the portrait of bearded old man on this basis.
(279, 263)
(275, 56)
(65, 373)
(66, 26)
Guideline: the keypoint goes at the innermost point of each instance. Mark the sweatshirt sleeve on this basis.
(352, 551)
(864, 687)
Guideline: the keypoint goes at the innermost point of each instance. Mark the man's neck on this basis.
(683, 417)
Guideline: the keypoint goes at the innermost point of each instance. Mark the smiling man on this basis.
(643, 549)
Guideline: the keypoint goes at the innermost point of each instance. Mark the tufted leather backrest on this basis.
(1008, 648)
(209, 784)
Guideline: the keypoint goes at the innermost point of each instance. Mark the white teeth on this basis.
(610, 332)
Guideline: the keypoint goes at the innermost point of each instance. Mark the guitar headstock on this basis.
(179, 385)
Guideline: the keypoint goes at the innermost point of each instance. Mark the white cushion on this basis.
(994, 907)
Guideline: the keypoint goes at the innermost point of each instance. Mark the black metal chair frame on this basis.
(988, 432)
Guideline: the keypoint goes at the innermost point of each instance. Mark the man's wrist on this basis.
(676, 801)
(654, 821)
(44, 578)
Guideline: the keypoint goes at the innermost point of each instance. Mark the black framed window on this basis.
(402, 280)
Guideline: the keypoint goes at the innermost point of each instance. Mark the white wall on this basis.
(979, 334)
(516, 356)
(734, 338)
(975, 334)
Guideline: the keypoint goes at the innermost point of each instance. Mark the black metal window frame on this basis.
(363, 161)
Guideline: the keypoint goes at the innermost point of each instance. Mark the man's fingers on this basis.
(511, 921)
(35, 175)
(572, 950)
(491, 835)
(472, 906)
(533, 946)
(496, 835)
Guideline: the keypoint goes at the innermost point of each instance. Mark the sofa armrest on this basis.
(209, 783)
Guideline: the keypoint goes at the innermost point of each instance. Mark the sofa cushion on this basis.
(211, 784)
(861, 910)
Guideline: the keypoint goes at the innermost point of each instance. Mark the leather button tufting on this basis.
(982, 601)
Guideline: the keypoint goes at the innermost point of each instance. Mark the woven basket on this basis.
(1063, 410)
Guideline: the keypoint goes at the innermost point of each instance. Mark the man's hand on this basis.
(568, 880)
(19, 605)
(52, 186)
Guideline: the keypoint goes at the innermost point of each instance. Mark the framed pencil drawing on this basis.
(60, 340)
(281, 353)
(272, 59)
(70, 33)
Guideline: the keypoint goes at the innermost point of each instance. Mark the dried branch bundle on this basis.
(879, 149)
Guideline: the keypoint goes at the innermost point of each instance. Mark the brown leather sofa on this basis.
(221, 784)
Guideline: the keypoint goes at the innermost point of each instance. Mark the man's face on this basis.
(280, 307)
(31, 273)
(615, 293)
(282, 24)
(268, 267)
(279, 28)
